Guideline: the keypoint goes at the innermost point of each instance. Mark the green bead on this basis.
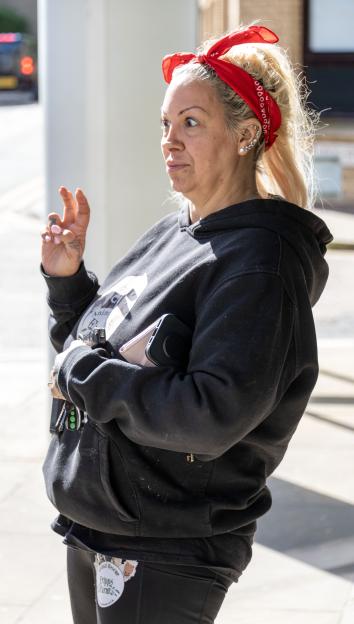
(72, 425)
(72, 418)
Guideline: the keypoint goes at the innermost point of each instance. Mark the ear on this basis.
(250, 133)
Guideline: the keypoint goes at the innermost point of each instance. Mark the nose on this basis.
(170, 139)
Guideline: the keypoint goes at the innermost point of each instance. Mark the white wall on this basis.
(102, 88)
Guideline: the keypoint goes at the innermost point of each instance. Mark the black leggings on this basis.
(141, 592)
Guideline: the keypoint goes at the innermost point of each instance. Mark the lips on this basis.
(173, 166)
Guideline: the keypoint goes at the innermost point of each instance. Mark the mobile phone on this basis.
(134, 350)
(166, 342)
(170, 342)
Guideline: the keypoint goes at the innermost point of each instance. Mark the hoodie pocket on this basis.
(86, 481)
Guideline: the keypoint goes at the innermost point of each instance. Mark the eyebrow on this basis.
(187, 109)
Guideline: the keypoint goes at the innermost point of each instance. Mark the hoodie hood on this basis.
(307, 234)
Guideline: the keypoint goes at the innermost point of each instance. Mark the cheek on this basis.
(203, 152)
(208, 153)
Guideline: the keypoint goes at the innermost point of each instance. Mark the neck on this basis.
(236, 186)
(200, 209)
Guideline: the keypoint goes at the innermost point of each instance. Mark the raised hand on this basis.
(63, 239)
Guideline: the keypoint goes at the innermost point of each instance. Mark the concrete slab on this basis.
(53, 606)
(330, 384)
(32, 563)
(13, 475)
(348, 612)
(336, 355)
(23, 427)
(11, 614)
(235, 615)
(331, 556)
(276, 582)
(27, 510)
(320, 457)
(334, 312)
(348, 616)
(340, 224)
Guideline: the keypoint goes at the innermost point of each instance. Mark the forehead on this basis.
(184, 92)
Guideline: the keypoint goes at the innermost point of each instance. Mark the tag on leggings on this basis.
(109, 583)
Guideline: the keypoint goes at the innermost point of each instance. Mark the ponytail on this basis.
(287, 167)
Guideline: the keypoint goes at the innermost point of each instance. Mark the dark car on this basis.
(18, 63)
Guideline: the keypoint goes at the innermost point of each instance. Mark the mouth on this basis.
(175, 166)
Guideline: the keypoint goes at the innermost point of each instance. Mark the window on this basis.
(329, 176)
(331, 26)
(329, 55)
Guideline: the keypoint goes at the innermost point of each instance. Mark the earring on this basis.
(247, 148)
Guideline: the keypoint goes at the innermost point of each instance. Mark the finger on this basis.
(56, 229)
(46, 237)
(55, 232)
(52, 233)
(69, 205)
(67, 237)
(54, 218)
(83, 209)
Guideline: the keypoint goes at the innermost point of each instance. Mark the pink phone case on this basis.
(134, 350)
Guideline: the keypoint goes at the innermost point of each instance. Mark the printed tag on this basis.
(110, 583)
(128, 567)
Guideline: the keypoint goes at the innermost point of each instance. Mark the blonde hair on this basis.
(287, 167)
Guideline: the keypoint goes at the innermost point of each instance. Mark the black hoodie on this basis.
(244, 279)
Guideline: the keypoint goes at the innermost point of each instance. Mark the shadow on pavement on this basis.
(339, 376)
(340, 400)
(331, 421)
(310, 527)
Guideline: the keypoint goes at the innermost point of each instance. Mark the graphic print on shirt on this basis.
(113, 305)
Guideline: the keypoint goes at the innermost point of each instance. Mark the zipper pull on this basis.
(190, 458)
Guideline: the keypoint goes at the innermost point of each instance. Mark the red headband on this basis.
(249, 89)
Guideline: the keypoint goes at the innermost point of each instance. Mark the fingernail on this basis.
(57, 240)
(56, 229)
(47, 238)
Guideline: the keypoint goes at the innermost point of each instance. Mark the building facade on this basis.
(326, 55)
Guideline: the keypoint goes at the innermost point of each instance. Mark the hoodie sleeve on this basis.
(67, 298)
(236, 374)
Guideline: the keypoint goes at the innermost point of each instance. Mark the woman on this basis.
(159, 474)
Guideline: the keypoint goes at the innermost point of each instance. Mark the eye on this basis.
(191, 122)
(164, 124)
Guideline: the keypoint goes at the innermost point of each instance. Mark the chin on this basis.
(179, 187)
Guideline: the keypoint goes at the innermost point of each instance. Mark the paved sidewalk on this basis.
(341, 226)
(302, 571)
